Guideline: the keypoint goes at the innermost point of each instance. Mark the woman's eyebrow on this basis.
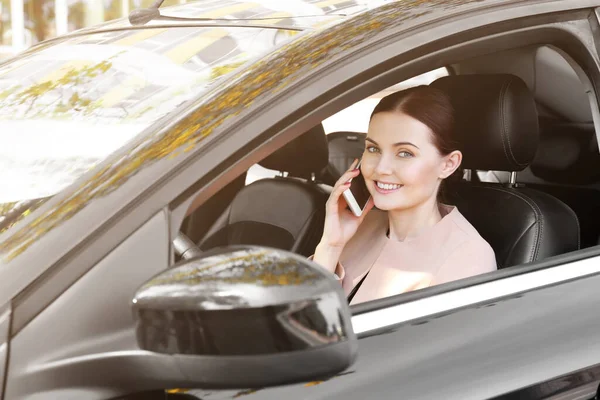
(395, 144)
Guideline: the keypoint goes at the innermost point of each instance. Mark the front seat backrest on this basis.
(282, 212)
(497, 129)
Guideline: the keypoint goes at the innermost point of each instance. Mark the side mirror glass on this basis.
(247, 317)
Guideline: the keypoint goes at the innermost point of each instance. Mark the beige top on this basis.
(449, 250)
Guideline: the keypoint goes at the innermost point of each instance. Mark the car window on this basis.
(356, 117)
(67, 106)
(570, 217)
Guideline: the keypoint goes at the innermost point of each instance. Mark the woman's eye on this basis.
(372, 149)
(405, 154)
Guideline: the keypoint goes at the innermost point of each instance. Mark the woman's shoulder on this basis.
(462, 225)
(472, 243)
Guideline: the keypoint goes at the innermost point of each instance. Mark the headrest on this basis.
(302, 156)
(496, 120)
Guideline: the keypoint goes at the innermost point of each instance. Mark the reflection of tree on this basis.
(257, 266)
(68, 92)
(6, 208)
(11, 213)
(221, 70)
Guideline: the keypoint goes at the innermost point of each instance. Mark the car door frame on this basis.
(404, 309)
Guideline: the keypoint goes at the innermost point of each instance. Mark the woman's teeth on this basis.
(388, 186)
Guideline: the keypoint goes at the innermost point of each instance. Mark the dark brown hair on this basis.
(428, 105)
(433, 108)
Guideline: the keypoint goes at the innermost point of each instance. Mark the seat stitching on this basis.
(539, 218)
(574, 214)
(502, 123)
(578, 227)
(521, 236)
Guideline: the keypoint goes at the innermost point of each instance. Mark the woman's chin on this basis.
(385, 204)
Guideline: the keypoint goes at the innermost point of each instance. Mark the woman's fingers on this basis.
(334, 203)
(334, 197)
(346, 176)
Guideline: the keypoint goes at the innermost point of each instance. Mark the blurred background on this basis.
(24, 23)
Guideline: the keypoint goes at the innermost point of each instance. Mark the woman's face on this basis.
(401, 165)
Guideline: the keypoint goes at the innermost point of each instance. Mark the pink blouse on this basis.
(449, 250)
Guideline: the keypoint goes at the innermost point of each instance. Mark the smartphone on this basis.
(357, 195)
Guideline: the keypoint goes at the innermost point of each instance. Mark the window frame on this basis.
(560, 37)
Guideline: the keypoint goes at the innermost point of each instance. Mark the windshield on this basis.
(68, 106)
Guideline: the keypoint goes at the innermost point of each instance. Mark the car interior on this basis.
(531, 181)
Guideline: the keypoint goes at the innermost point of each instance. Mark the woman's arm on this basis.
(329, 259)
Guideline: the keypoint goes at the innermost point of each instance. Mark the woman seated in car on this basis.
(411, 240)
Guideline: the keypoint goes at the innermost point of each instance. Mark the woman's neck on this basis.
(411, 222)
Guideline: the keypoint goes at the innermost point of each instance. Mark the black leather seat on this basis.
(344, 147)
(497, 128)
(282, 212)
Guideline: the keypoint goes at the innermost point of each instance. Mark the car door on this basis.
(468, 339)
(515, 335)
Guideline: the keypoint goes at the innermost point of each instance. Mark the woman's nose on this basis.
(384, 166)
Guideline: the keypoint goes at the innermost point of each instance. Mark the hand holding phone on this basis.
(340, 225)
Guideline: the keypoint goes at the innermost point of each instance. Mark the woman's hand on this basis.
(340, 224)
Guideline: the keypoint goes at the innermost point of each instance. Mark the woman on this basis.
(411, 240)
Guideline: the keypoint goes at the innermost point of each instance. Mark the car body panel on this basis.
(90, 329)
(478, 352)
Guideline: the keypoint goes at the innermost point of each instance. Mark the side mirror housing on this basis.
(247, 317)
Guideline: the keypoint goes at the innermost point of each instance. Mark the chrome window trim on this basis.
(372, 322)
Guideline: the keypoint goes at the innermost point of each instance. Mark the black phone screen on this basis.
(359, 190)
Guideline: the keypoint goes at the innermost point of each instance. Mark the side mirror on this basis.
(247, 317)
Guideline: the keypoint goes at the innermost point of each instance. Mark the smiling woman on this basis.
(409, 152)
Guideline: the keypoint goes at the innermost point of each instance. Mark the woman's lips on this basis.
(386, 191)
